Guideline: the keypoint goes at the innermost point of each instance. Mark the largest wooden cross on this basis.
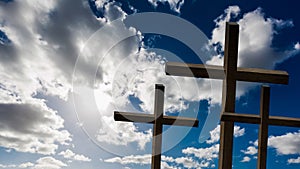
(229, 73)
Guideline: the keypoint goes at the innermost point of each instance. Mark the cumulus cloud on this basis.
(286, 144)
(188, 162)
(203, 153)
(110, 10)
(165, 165)
(26, 165)
(251, 150)
(195, 157)
(166, 162)
(255, 43)
(69, 154)
(132, 159)
(8, 166)
(297, 46)
(246, 159)
(45, 37)
(294, 160)
(174, 4)
(49, 163)
(31, 127)
(46, 162)
(215, 134)
(208, 154)
(122, 133)
(256, 36)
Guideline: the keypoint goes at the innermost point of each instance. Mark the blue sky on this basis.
(67, 65)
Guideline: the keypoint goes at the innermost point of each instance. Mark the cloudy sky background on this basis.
(64, 71)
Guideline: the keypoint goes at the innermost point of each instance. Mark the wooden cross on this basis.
(229, 73)
(264, 120)
(158, 120)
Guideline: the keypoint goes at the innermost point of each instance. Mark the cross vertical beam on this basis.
(229, 92)
(263, 128)
(157, 126)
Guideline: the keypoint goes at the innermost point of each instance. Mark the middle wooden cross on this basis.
(158, 119)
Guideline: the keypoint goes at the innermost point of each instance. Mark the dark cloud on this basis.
(31, 128)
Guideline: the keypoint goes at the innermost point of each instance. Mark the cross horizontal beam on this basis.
(149, 118)
(218, 72)
(255, 119)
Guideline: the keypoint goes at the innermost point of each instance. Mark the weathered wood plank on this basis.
(284, 121)
(263, 128)
(180, 121)
(262, 75)
(134, 117)
(240, 118)
(157, 126)
(255, 119)
(228, 95)
(194, 70)
(149, 118)
(218, 72)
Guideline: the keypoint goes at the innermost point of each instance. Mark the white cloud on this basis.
(218, 33)
(31, 127)
(203, 153)
(45, 39)
(215, 134)
(297, 46)
(68, 154)
(165, 165)
(122, 133)
(255, 41)
(46, 162)
(255, 143)
(8, 166)
(26, 165)
(49, 163)
(294, 160)
(238, 131)
(196, 157)
(174, 4)
(286, 144)
(132, 159)
(23, 165)
(54, 33)
(246, 159)
(166, 162)
(187, 162)
(251, 150)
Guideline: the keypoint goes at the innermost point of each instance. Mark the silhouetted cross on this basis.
(229, 73)
(158, 120)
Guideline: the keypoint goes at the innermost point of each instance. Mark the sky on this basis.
(67, 65)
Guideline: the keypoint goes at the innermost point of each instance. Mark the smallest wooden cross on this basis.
(158, 120)
(264, 120)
